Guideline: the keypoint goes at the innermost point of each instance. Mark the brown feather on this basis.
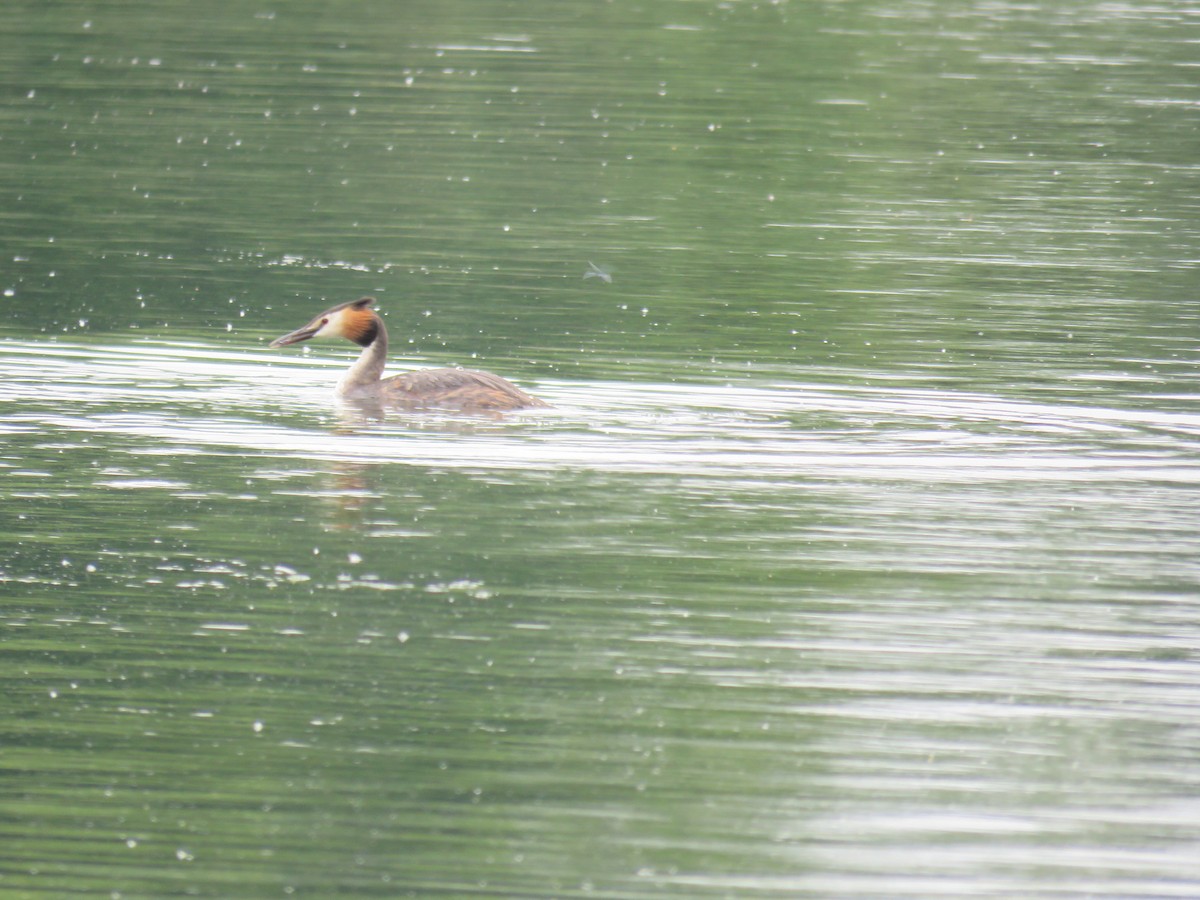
(360, 324)
(460, 389)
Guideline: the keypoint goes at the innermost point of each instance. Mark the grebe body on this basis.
(460, 389)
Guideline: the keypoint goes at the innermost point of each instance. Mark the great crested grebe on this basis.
(459, 389)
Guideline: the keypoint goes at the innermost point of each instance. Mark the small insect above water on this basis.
(594, 271)
(460, 389)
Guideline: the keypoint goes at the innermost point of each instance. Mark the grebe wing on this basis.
(456, 389)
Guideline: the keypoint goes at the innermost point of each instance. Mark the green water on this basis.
(857, 557)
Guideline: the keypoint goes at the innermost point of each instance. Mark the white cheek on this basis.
(331, 328)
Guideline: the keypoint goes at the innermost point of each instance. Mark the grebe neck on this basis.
(368, 368)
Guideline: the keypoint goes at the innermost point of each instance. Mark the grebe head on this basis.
(355, 321)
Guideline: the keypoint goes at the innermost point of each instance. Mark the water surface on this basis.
(856, 558)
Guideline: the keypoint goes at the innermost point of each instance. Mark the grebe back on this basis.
(459, 389)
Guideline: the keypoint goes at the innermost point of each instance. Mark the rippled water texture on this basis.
(857, 557)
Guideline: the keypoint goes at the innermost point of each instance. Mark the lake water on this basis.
(858, 557)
